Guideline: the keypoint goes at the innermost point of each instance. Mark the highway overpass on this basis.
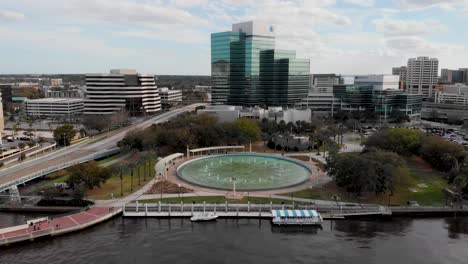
(81, 152)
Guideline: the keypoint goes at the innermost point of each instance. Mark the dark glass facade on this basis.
(248, 71)
(361, 98)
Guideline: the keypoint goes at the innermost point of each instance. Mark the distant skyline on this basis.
(172, 37)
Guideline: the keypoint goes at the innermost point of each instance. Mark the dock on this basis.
(228, 210)
(45, 227)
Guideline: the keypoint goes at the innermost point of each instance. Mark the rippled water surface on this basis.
(124, 240)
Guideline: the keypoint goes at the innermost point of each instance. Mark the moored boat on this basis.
(203, 217)
(296, 217)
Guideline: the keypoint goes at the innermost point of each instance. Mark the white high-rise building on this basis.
(121, 90)
(421, 76)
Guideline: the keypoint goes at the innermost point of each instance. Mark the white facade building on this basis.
(56, 82)
(321, 104)
(422, 76)
(170, 96)
(53, 107)
(121, 90)
(323, 83)
(226, 113)
(379, 82)
(453, 94)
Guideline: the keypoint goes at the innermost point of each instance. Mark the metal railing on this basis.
(101, 154)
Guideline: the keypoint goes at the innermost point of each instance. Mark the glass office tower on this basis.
(247, 70)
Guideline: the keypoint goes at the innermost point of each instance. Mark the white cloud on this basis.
(365, 3)
(119, 11)
(8, 15)
(392, 27)
(421, 4)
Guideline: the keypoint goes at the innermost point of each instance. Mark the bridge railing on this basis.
(49, 170)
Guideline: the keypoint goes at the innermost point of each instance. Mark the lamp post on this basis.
(178, 189)
(234, 185)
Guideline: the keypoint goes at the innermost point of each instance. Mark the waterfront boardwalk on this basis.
(328, 211)
(53, 227)
(247, 210)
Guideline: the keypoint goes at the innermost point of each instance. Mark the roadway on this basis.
(83, 149)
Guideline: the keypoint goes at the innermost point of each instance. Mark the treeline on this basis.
(373, 171)
(441, 154)
(381, 162)
(182, 82)
(193, 131)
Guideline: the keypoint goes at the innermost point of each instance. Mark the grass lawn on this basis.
(218, 199)
(112, 185)
(422, 184)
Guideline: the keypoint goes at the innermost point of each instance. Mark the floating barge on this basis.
(296, 217)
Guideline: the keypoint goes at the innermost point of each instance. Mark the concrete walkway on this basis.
(61, 225)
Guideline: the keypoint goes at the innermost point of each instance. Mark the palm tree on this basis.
(143, 161)
(138, 163)
(131, 165)
(120, 169)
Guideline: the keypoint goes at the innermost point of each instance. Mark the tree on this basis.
(399, 117)
(373, 171)
(21, 145)
(97, 122)
(64, 134)
(249, 129)
(131, 166)
(403, 141)
(120, 168)
(89, 174)
(441, 154)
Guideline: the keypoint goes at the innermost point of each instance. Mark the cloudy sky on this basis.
(173, 36)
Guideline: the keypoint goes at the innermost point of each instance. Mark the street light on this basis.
(234, 185)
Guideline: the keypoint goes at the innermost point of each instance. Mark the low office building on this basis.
(74, 93)
(379, 82)
(56, 82)
(444, 112)
(382, 102)
(170, 96)
(320, 104)
(224, 113)
(227, 113)
(121, 90)
(53, 107)
(452, 94)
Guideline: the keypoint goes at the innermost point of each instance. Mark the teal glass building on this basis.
(247, 70)
(382, 102)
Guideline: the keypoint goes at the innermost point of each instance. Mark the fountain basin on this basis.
(252, 172)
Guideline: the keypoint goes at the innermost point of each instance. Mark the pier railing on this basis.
(254, 210)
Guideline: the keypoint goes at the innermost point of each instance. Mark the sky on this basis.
(173, 36)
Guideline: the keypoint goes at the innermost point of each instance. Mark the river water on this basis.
(131, 240)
